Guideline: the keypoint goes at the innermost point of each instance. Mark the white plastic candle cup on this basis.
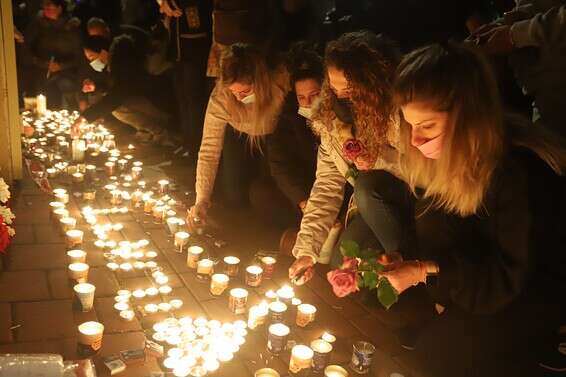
(85, 294)
(301, 359)
(110, 168)
(268, 265)
(277, 311)
(231, 266)
(78, 272)
(90, 334)
(193, 255)
(328, 337)
(257, 315)
(238, 300)
(78, 178)
(68, 223)
(60, 213)
(335, 371)
(181, 239)
(116, 197)
(163, 186)
(165, 289)
(321, 357)
(76, 256)
(121, 306)
(127, 315)
(148, 205)
(74, 237)
(218, 283)
(89, 195)
(254, 276)
(286, 294)
(173, 224)
(136, 172)
(266, 372)
(159, 214)
(277, 338)
(305, 314)
(204, 269)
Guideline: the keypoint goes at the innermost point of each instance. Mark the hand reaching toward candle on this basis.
(404, 275)
(197, 216)
(302, 266)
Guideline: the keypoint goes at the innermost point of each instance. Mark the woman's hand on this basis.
(197, 215)
(76, 127)
(303, 265)
(404, 275)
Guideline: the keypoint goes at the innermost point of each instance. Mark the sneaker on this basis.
(555, 359)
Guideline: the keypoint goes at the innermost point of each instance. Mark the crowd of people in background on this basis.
(428, 130)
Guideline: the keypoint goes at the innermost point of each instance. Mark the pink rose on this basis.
(352, 149)
(343, 282)
(350, 264)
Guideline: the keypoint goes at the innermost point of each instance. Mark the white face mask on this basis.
(97, 65)
(248, 99)
(305, 112)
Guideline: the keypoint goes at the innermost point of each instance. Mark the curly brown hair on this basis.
(369, 62)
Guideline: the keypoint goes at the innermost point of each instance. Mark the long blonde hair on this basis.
(246, 63)
(458, 80)
(368, 62)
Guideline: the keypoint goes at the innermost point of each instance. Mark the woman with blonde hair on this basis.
(248, 96)
(487, 187)
(358, 124)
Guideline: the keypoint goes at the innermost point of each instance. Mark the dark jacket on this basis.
(291, 153)
(58, 39)
(513, 247)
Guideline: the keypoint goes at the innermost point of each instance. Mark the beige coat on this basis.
(216, 119)
(327, 193)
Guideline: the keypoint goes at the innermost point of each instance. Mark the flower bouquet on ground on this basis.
(360, 269)
(6, 218)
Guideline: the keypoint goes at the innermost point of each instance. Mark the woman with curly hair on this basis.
(487, 185)
(358, 125)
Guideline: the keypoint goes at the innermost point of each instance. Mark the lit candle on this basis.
(165, 289)
(151, 291)
(90, 335)
(257, 315)
(138, 293)
(181, 239)
(238, 300)
(218, 284)
(116, 197)
(277, 311)
(231, 265)
(253, 276)
(89, 195)
(76, 256)
(128, 315)
(301, 359)
(172, 224)
(266, 372)
(164, 306)
(74, 237)
(328, 337)
(85, 294)
(268, 264)
(161, 279)
(78, 272)
(176, 303)
(305, 314)
(151, 308)
(137, 172)
(126, 267)
(41, 105)
(113, 266)
(286, 294)
(271, 294)
(193, 256)
(109, 168)
(335, 371)
(204, 269)
(120, 306)
(163, 186)
(321, 355)
(277, 338)
(68, 223)
(158, 214)
(78, 178)
(78, 148)
(151, 254)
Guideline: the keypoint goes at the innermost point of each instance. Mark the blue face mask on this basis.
(97, 65)
(248, 99)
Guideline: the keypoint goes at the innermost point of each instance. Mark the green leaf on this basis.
(386, 294)
(350, 249)
(369, 253)
(352, 172)
(370, 279)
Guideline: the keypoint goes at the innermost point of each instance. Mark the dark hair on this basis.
(97, 22)
(304, 62)
(96, 43)
(59, 3)
(125, 60)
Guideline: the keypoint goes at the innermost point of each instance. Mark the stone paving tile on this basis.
(24, 235)
(59, 284)
(191, 307)
(44, 320)
(111, 319)
(23, 286)
(5, 323)
(104, 281)
(29, 217)
(38, 256)
(50, 233)
(40, 346)
(377, 334)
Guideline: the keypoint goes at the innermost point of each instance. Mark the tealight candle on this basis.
(181, 239)
(164, 306)
(268, 264)
(271, 294)
(128, 315)
(74, 237)
(305, 314)
(328, 337)
(89, 195)
(76, 256)
(112, 266)
(126, 267)
(120, 306)
(301, 359)
(176, 303)
(254, 276)
(139, 293)
(78, 272)
(277, 338)
(139, 265)
(151, 254)
(68, 223)
(116, 197)
(151, 308)
(162, 279)
(163, 186)
(266, 372)
(172, 224)
(78, 178)
(286, 294)
(148, 205)
(151, 291)
(277, 311)
(150, 264)
(238, 300)
(165, 289)
(257, 315)
(335, 371)
(193, 256)
(321, 355)
(63, 197)
(159, 214)
(231, 265)
(60, 213)
(204, 269)
(137, 172)
(109, 168)
(218, 283)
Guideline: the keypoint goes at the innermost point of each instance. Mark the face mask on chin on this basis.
(97, 65)
(305, 112)
(342, 107)
(248, 99)
(432, 148)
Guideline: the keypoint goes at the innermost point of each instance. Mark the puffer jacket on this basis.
(327, 192)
